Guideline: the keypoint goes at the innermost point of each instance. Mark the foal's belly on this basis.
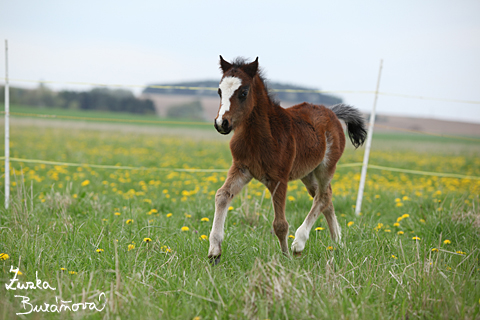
(302, 169)
(306, 160)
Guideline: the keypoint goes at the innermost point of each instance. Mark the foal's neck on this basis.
(257, 125)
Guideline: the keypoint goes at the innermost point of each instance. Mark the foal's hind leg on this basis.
(335, 230)
(311, 184)
(236, 180)
(322, 202)
(301, 236)
(303, 232)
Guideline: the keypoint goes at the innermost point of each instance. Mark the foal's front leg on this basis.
(236, 179)
(280, 224)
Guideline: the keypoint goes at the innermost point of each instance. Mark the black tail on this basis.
(355, 123)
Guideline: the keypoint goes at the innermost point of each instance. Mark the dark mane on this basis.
(240, 61)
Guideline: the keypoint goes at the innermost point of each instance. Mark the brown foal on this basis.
(276, 145)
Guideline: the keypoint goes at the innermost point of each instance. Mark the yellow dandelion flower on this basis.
(399, 204)
(379, 226)
(377, 196)
(291, 198)
(447, 241)
(400, 232)
(434, 250)
(129, 221)
(4, 256)
(350, 224)
(147, 240)
(17, 271)
(319, 229)
(460, 252)
(85, 183)
(399, 219)
(422, 220)
(131, 247)
(74, 196)
(203, 237)
(398, 200)
(416, 238)
(196, 318)
(63, 269)
(393, 257)
(405, 198)
(205, 219)
(99, 250)
(396, 224)
(117, 213)
(330, 248)
(169, 215)
(184, 228)
(388, 230)
(230, 208)
(166, 249)
(406, 215)
(291, 236)
(72, 272)
(188, 215)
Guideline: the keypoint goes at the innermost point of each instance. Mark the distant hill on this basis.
(289, 97)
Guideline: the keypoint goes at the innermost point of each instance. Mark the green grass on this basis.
(58, 220)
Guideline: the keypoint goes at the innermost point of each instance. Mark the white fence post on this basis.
(7, 131)
(361, 187)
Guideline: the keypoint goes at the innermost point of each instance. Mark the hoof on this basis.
(214, 260)
(297, 254)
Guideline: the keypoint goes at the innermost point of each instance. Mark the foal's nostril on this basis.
(225, 125)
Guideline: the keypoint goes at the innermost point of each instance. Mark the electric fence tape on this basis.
(346, 165)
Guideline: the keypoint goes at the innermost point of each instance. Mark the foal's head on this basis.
(235, 93)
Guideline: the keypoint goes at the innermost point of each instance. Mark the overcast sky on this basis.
(429, 48)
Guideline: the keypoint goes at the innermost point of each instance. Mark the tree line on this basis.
(102, 99)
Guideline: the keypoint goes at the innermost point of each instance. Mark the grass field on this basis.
(135, 238)
(96, 116)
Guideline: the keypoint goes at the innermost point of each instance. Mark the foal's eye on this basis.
(243, 94)
(220, 92)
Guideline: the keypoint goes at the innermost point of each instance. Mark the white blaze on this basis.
(228, 86)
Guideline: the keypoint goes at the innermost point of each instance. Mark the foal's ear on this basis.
(224, 65)
(251, 68)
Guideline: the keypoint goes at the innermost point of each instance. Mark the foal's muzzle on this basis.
(225, 128)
